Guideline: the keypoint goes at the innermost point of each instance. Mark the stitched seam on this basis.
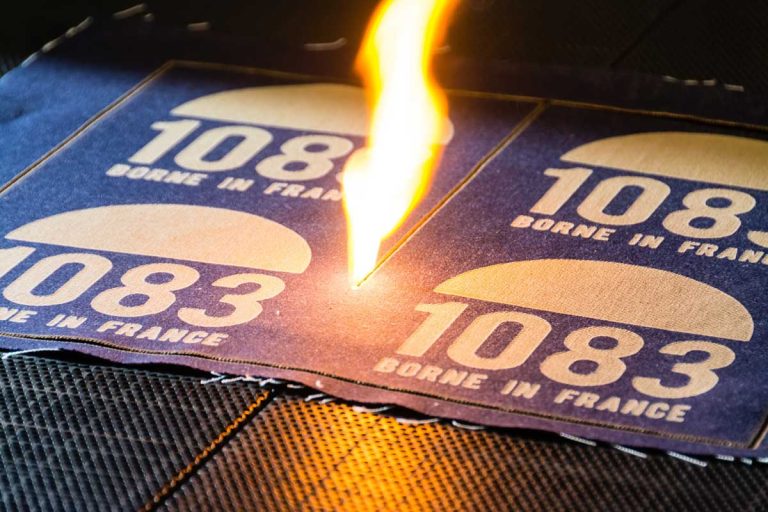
(406, 391)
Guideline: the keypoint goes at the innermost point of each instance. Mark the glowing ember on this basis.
(384, 181)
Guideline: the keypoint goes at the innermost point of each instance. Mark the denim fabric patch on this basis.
(598, 273)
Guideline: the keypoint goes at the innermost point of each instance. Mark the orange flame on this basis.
(384, 181)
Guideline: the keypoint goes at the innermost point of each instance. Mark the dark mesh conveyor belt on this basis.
(299, 455)
(89, 437)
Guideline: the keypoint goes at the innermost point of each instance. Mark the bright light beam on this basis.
(384, 181)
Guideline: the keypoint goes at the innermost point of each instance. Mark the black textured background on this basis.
(83, 435)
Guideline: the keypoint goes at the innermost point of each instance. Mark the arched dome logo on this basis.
(258, 246)
(599, 290)
(289, 134)
(703, 157)
(175, 231)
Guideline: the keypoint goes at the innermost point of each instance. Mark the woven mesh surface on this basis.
(307, 456)
(82, 437)
(708, 39)
(587, 32)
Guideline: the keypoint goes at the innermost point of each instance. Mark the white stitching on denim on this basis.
(578, 439)
(689, 460)
(630, 451)
(707, 82)
(130, 11)
(370, 410)
(323, 398)
(326, 47)
(416, 421)
(53, 43)
(28, 351)
(467, 426)
(216, 378)
(200, 26)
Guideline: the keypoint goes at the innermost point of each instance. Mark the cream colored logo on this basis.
(611, 292)
(707, 217)
(598, 290)
(614, 292)
(165, 231)
(325, 115)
